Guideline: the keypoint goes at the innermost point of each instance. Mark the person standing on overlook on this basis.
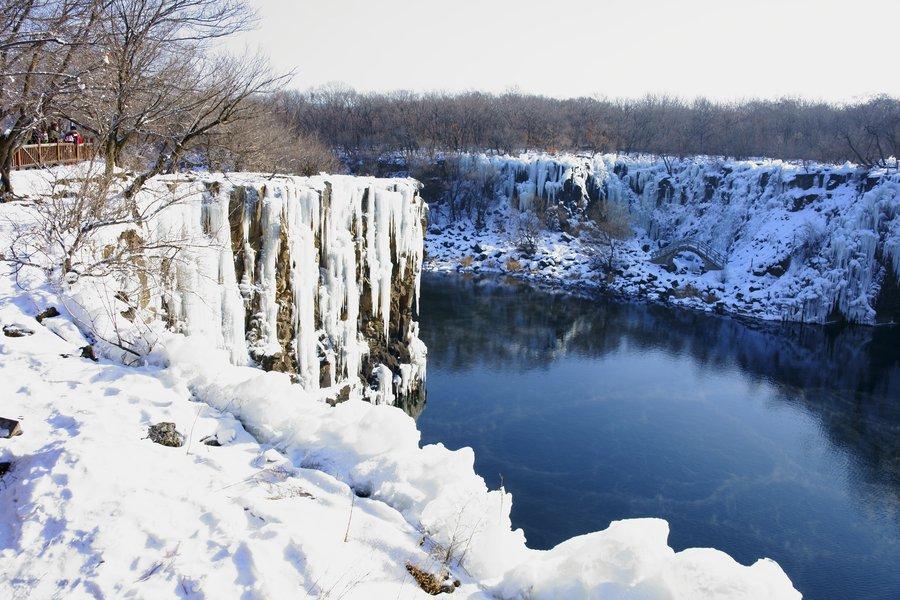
(73, 136)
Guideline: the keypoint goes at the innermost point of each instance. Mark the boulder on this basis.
(88, 353)
(49, 313)
(9, 428)
(342, 396)
(15, 330)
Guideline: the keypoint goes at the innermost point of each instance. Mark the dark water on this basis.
(760, 440)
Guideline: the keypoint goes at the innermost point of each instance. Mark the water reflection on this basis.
(760, 439)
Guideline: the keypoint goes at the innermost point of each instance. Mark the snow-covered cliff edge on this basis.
(803, 242)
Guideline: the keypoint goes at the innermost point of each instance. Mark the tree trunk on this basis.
(6, 189)
(7, 149)
(110, 155)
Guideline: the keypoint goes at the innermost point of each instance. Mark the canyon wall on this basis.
(807, 242)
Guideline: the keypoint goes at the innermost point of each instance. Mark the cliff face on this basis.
(805, 242)
(318, 277)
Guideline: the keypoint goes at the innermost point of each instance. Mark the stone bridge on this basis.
(713, 260)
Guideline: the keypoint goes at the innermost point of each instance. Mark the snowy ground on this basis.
(300, 499)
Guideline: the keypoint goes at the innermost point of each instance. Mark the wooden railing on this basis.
(35, 156)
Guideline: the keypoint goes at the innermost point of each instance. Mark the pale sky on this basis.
(724, 49)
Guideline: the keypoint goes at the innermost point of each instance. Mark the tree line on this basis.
(362, 125)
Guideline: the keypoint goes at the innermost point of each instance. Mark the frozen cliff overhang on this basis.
(313, 276)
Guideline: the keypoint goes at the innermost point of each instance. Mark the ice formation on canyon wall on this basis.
(806, 242)
(314, 276)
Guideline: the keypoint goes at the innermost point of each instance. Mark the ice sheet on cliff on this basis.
(314, 276)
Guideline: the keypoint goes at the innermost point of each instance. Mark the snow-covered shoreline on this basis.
(810, 243)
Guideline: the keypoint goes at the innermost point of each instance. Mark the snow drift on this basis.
(375, 449)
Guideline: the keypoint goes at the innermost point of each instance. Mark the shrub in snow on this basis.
(165, 434)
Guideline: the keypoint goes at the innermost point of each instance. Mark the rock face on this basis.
(9, 428)
(318, 277)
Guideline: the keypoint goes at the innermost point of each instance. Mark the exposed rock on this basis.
(48, 313)
(9, 428)
(780, 268)
(88, 353)
(887, 305)
(14, 330)
(430, 584)
(5, 467)
(289, 242)
(870, 183)
(165, 434)
(803, 201)
(836, 179)
(342, 396)
(804, 181)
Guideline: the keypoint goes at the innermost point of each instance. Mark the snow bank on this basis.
(91, 508)
(375, 449)
(631, 559)
(804, 242)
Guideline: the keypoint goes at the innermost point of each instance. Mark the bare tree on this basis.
(610, 223)
(527, 233)
(873, 132)
(263, 142)
(161, 85)
(364, 127)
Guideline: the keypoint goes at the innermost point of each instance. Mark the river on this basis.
(759, 439)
